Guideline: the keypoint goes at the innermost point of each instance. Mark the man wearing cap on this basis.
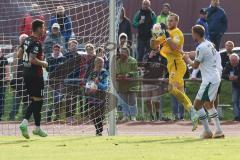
(54, 37)
(162, 18)
(64, 21)
(203, 21)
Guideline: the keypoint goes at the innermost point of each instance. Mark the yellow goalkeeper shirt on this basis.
(178, 38)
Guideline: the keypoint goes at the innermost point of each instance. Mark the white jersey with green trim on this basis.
(208, 58)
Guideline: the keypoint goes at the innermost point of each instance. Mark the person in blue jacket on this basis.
(217, 22)
(203, 21)
(64, 21)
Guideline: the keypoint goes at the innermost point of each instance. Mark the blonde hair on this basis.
(230, 42)
(148, 1)
(73, 41)
(175, 16)
(89, 45)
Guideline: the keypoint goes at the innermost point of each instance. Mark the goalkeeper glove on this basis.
(164, 27)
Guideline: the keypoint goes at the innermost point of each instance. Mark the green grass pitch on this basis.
(118, 148)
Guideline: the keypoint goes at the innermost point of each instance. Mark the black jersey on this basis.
(32, 46)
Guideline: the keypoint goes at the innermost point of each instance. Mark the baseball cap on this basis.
(56, 25)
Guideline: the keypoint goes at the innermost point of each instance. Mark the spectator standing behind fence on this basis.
(54, 62)
(232, 72)
(217, 22)
(229, 45)
(25, 26)
(97, 95)
(100, 52)
(71, 99)
(127, 68)
(4, 77)
(125, 25)
(203, 21)
(144, 20)
(20, 94)
(64, 21)
(162, 18)
(124, 42)
(54, 37)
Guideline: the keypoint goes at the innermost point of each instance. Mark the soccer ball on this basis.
(157, 30)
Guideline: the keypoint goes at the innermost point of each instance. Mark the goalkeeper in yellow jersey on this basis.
(171, 40)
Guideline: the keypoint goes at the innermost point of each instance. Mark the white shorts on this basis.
(207, 92)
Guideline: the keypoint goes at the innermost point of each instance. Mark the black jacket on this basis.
(155, 67)
(226, 72)
(125, 27)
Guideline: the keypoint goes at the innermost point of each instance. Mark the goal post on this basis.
(112, 38)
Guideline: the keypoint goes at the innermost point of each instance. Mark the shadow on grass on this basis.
(144, 141)
(183, 141)
(165, 141)
(17, 142)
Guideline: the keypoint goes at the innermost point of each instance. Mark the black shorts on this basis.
(34, 85)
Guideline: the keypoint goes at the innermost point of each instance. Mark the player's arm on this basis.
(34, 60)
(33, 57)
(171, 43)
(15, 61)
(20, 52)
(7, 78)
(194, 64)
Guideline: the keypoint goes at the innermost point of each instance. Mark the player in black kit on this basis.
(33, 61)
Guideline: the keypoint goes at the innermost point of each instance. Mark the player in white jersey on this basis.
(220, 69)
(208, 63)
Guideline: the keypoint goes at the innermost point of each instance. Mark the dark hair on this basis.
(56, 46)
(199, 29)
(37, 24)
(167, 5)
(203, 11)
(99, 49)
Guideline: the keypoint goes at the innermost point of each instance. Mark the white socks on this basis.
(203, 118)
(213, 114)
